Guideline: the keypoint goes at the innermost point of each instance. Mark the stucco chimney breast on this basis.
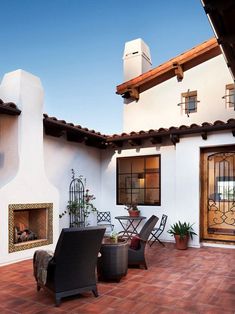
(29, 184)
(136, 59)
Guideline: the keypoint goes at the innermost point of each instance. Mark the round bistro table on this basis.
(130, 225)
(113, 262)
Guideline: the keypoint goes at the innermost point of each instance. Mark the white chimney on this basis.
(27, 183)
(136, 59)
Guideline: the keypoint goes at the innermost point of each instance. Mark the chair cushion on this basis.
(135, 243)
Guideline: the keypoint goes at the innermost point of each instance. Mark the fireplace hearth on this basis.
(30, 225)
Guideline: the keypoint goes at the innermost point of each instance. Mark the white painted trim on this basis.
(218, 245)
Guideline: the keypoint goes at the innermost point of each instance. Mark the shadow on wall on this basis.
(9, 160)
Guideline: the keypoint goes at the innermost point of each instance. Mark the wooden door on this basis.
(218, 194)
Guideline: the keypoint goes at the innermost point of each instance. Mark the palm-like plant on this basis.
(182, 229)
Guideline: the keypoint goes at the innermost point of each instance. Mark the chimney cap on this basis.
(135, 48)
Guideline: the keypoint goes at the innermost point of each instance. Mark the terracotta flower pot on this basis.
(134, 213)
(181, 243)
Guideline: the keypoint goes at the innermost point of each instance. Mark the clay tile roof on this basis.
(194, 125)
(218, 122)
(162, 130)
(182, 130)
(9, 108)
(52, 119)
(206, 124)
(57, 128)
(172, 128)
(183, 127)
(231, 121)
(186, 60)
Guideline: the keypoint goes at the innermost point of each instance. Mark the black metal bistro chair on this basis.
(104, 220)
(158, 231)
(72, 269)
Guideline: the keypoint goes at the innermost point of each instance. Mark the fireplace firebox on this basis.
(30, 225)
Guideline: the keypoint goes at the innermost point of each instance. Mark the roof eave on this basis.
(9, 109)
(57, 128)
(221, 17)
(173, 133)
(167, 70)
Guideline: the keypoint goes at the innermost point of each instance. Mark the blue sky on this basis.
(76, 48)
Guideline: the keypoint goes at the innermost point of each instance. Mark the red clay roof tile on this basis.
(9, 108)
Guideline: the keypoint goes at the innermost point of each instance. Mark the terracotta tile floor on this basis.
(192, 281)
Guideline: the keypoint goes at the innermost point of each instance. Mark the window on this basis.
(189, 102)
(138, 180)
(230, 96)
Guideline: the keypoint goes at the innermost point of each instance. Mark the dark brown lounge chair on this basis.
(137, 257)
(72, 270)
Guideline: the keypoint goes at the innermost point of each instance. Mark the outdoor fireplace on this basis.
(30, 225)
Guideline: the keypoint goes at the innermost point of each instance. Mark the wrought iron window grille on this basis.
(186, 109)
(228, 102)
(189, 105)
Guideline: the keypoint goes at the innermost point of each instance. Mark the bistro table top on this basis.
(130, 225)
(130, 217)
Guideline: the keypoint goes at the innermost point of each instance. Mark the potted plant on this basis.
(113, 237)
(182, 232)
(132, 210)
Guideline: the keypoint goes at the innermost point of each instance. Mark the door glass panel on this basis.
(221, 193)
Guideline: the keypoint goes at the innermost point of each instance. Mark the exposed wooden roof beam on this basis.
(56, 132)
(156, 140)
(178, 71)
(77, 138)
(204, 135)
(116, 144)
(174, 138)
(134, 142)
(132, 93)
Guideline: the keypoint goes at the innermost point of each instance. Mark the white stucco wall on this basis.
(60, 157)
(108, 199)
(180, 180)
(9, 158)
(35, 168)
(157, 107)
